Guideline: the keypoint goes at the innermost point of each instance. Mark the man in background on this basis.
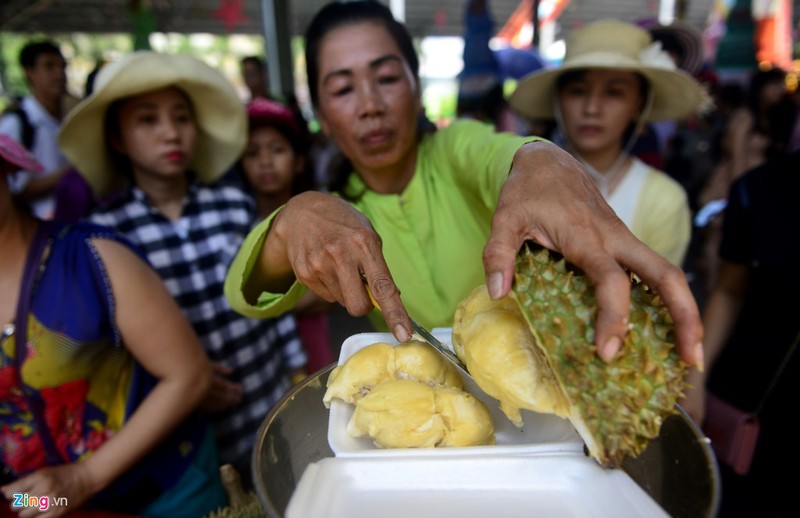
(254, 74)
(35, 122)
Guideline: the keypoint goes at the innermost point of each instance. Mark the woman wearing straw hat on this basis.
(99, 374)
(168, 127)
(612, 81)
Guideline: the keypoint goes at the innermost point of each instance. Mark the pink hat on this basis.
(265, 111)
(13, 153)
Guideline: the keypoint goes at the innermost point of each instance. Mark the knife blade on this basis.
(431, 340)
(423, 335)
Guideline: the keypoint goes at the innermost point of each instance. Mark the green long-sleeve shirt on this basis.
(433, 233)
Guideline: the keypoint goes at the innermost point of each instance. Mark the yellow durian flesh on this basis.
(399, 414)
(419, 361)
(466, 418)
(617, 407)
(501, 355)
(363, 371)
(409, 396)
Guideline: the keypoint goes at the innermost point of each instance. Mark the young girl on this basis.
(275, 168)
(612, 81)
(170, 126)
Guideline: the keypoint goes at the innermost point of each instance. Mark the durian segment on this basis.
(419, 361)
(363, 371)
(379, 362)
(466, 418)
(399, 414)
(411, 414)
(408, 396)
(616, 407)
(493, 340)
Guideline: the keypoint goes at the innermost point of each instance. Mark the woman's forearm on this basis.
(169, 403)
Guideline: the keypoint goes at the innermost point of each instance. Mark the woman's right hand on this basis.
(72, 482)
(332, 248)
(223, 393)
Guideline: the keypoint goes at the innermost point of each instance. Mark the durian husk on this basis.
(616, 407)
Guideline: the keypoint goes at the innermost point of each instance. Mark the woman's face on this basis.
(157, 132)
(269, 162)
(369, 100)
(597, 107)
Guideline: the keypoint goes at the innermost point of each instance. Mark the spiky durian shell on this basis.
(616, 407)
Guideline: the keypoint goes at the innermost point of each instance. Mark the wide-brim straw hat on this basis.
(612, 44)
(219, 114)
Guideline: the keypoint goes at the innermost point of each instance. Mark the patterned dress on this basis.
(192, 256)
(87, 384)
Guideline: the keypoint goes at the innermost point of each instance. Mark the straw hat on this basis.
(612, 44)
(221, 121)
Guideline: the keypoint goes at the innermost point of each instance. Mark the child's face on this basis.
(269, 162)
(157, 132)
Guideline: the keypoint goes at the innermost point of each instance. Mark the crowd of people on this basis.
(195, 254)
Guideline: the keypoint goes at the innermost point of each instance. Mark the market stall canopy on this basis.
(423, 17)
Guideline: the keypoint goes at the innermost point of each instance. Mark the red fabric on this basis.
(316, 337)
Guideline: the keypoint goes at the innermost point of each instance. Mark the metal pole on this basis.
(277, 38)
(535, 40)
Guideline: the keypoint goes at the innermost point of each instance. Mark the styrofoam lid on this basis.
(558, 485)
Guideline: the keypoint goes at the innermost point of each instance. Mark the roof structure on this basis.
(423, 17)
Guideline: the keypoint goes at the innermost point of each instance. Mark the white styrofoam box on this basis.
(540, 433)
(554, 485)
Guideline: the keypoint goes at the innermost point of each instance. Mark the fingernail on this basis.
(699, 359)
(611, 348)
(495, 285)
(401, 334)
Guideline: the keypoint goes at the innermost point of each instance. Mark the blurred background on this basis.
(739, 36)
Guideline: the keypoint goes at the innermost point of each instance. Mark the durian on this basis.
(241, 504)
(546, 359)
(408, 396)
(364, 370)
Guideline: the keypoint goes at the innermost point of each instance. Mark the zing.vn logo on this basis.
(40, 502)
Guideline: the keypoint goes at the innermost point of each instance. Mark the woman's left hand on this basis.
(72, 482)
(548, 198)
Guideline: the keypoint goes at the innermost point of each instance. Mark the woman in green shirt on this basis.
(433, 214)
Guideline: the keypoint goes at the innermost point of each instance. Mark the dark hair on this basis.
(338, 14)
(486, 107)
(572, 76)
(255, 60)
(300, 144)
(31, 52)
(758, 82)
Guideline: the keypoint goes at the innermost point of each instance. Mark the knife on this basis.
(424, 335)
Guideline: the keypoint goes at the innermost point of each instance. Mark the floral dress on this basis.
(83, 380)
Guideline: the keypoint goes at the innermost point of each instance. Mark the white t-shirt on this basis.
(45, 149)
